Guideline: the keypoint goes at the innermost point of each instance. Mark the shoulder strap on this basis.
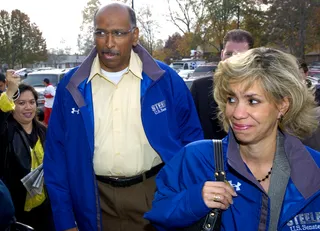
(218, 160)
(213, 219)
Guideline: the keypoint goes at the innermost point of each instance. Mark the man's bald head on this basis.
(117, 6)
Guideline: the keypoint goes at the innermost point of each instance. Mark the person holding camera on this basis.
(21, 151)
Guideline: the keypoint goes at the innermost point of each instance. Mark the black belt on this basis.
(129, 181)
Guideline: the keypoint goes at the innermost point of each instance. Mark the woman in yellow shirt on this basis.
(21, 150)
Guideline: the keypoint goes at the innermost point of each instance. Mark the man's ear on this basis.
(284, 106)
(221, 54)
(135, 36)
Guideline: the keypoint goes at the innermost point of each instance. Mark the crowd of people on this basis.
(126, 146)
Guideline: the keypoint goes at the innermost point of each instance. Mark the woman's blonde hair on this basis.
(279, 75)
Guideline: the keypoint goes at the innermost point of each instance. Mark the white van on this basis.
(186, 64)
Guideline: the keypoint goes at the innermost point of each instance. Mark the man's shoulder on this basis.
(206, 80)
(67, 77)
(202, 84)
(165, 67)
(169, 72)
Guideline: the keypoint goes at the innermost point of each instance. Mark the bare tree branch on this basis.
(173, 19)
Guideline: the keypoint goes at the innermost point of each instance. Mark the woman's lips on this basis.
(28, 115)
(241, 127)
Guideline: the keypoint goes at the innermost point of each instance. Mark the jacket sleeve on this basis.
(6, 208)
(6, 106)
(178, 201)
(187, 116)
(55, 167)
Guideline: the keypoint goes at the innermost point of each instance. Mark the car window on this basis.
(36, 80)
(315, 64)
(61, 76)
(189, 83)
(177, 65)
(314, 73)
(205, 69)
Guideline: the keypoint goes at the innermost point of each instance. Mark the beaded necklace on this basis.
(266, 177)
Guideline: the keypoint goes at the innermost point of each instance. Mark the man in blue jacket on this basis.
(115, 121)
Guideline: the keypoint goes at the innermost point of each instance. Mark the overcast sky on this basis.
(59, 20)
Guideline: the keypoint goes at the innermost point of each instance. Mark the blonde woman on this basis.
(274, 181)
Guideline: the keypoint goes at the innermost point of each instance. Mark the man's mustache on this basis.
(111, 51)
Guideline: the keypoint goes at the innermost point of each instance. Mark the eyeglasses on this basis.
(114, 33)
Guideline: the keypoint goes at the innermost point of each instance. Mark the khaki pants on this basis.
(123, 208)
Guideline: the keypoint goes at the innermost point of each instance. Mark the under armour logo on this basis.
(75, 111)
(236, 186)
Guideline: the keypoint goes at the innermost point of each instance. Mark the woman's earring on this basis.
(280, 118)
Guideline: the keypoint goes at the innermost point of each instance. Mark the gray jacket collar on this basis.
(304, 170)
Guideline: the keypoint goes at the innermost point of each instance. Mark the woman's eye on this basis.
(231, 100)
(253, 101)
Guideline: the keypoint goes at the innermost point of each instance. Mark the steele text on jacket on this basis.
(159, 107)
(305, 221)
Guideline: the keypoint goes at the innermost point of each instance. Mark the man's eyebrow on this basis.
(115, 29)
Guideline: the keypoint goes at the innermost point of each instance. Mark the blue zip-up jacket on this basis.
(179, 203)
(168, 116)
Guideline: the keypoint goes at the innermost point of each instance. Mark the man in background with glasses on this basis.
(115, 121)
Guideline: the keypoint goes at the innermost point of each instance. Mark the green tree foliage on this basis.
(209, 20)
(287, 24)
(313, 30)
(5, 40)
(293, 25)
(255, 21)
(21, 41)
(171, 45)
(219, 18)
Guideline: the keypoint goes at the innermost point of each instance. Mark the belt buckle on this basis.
(114, 177)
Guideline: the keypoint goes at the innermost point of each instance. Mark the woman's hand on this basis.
(217, 194)
(12, 81)
(73, 229)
